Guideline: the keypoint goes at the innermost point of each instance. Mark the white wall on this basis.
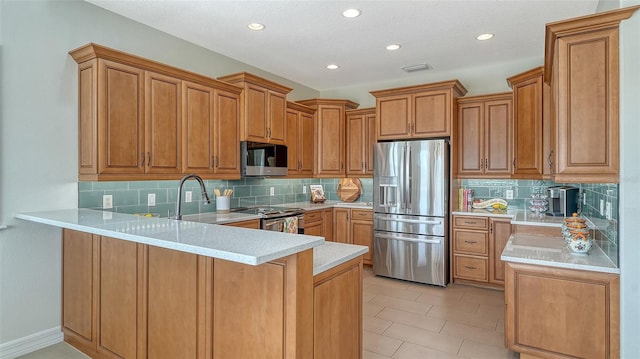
(38, 132)
(629, 183)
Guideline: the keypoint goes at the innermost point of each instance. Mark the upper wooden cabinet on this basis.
(582, 67)
(527, 123)
(299, 140)
(483, 136)
(361, 136)
(263, 104)
(422, 111)
(136, 119)
(329, 129)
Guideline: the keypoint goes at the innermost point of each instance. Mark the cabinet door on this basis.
(255, 114)
(226, 134)
(163, 123)
(497, 137)
(341, 232)
(79, 291)
(120, 313)
(587, 122)
(330, 132)
(120, 119)
(197, 127)
(277, 123)
(327, 224)
(362, 234)
(393, 117)
(370, 140)
(431, 114)
(527, 128)
(470, 142)
(293, 160)
(305, 148)
(499, 233)
(355, 145)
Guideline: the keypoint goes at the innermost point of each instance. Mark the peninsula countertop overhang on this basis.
(242, 245)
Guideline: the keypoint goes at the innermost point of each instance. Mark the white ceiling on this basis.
(302, 36)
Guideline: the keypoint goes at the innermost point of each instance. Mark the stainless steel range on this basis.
(275, 218)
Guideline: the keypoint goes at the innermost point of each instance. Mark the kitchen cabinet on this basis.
(299, 140)
(211, 131)
(319, 223)
(263, 103)
(484, 131)
(361, 136)
(329, 131)
(527, 124)
(417, 112)
(132, 114)
(337, 329)
(582, 68)
(477, 245)
(354, 226)
(548, 309)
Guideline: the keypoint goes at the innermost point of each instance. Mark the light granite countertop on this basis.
(553, 252)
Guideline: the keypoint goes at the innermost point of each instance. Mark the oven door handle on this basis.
(271, 222)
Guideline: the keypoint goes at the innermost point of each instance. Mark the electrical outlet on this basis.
(509, 194)
(602, 207)
(304, 189)
(107, 201)
(188, 196)
(607, 210)
(151, 199)
(272, 191)
(584, 197)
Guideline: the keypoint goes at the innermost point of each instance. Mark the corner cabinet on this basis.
(527, 124)
(483, 135)
(136, 118)
(330, 136)
(582, 67)
(423, 111)
(263, 104)
(361, 136)
(299, 140)
(561, 313)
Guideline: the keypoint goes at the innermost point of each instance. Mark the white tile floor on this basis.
(404, 320)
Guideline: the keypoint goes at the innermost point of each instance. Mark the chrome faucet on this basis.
(205, 196)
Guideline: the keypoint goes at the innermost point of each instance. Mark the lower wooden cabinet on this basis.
(561, 313)
(319, 223)
(477, 245)
(252, 223)
(354, 226)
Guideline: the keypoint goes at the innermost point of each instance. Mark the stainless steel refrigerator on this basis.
(411, 186)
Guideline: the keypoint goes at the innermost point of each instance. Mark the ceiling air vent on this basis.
(415, 68)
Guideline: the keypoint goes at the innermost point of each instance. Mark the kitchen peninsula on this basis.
(155, 287)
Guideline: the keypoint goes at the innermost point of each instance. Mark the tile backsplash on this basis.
(607, 232)
(131, 197)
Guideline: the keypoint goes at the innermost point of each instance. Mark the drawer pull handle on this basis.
(471, 242)
(470, 267)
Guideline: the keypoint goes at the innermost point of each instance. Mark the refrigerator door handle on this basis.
(408, 161)
(380, 218)
(407, 239)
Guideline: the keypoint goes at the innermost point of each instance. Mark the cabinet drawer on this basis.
(473, 222)
(472, 242)
(312, 216)
(361, 214)
(472, 268)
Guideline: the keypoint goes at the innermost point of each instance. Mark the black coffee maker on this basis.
(563, 200)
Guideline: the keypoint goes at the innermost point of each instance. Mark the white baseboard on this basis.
(31, 343)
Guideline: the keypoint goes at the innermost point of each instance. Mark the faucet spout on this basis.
(205, 196)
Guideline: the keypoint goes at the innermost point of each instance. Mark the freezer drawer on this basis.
(400, 223)
(411, 257)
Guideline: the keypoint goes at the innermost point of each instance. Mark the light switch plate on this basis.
(107, 201)
(509, 194)
(304, 189)
(607, 210)
(188, 196)
(272, 191)
(602, 207)
(151, 199)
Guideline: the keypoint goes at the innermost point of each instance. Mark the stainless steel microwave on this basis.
(263, 159)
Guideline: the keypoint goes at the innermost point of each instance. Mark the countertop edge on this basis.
(347, 253)
(560, 265)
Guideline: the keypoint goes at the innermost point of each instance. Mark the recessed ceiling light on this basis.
(256, 26)
(332, 66)
(392, 47)
(483, 37)
(351, 13)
